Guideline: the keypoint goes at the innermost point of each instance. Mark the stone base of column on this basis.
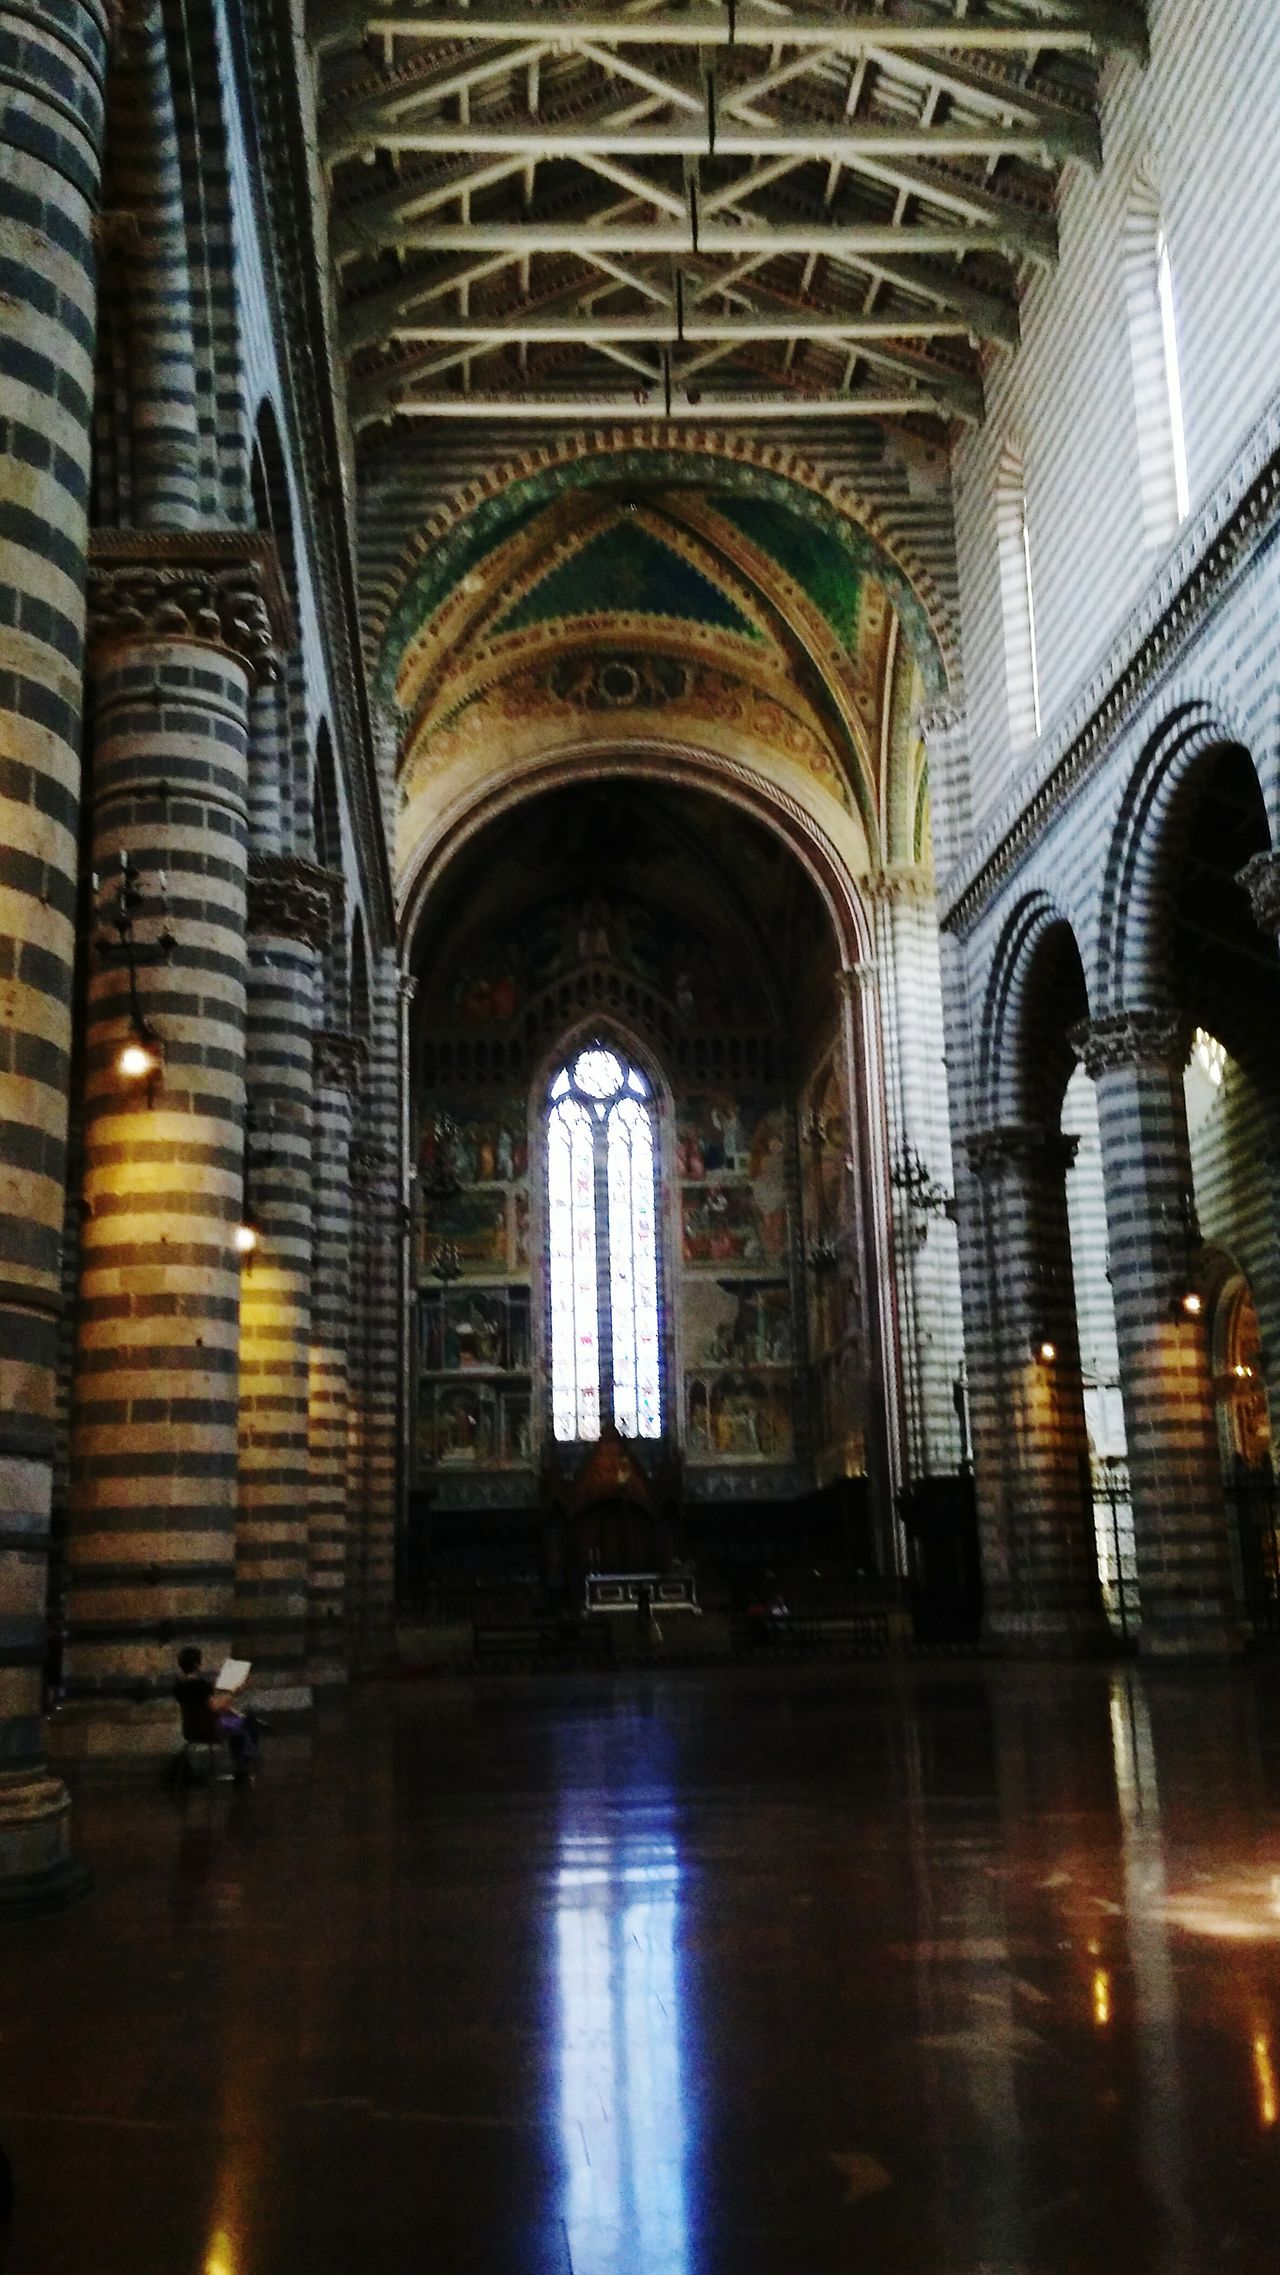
(1049, 1634)
(114, 1730)
(38, 1873)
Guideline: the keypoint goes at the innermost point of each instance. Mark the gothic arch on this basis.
(1036, 992)
(426, 567)
(1156, 814)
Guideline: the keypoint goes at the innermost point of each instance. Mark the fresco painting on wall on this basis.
(477, 1148)
(730, 1157)
(473, 1426)
(492, 987)
(465, 1329)
(475, 1223)
(738, 1323)
(738, 1417)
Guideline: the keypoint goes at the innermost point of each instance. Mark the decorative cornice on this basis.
(339, 1059)
(1261, 880)
(218, 587)
(1131, 1038)
(1021, 1145)
(1211, 551)
(292, 899)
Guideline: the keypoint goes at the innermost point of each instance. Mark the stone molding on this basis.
(292, 899)
(1211, 550)
(218, 587)
(1261, 880)
(1026, 1146)
(339, 1059)
(1131, 1038)
(940, 724)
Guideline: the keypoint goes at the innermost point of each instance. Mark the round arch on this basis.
(1157, 805)
(435, 558)
(1024, 1057)
(783, 815)
(854, 937)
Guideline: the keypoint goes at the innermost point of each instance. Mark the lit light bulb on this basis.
(1192, 1304)
(137, 1060)
(246, 1239)
(1048, 1352)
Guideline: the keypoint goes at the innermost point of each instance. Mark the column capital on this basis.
(407, 987)
(1261, 880)
(218, 587)
(855, 979)
(1024, 1145)
(900, 881)
(339, 1058)
(293, 899)
(1140, 1037)
(941, 722)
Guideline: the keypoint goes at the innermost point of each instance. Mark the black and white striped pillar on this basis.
(1137, 1059)
(180, 627)
(1030, 1442)
(337, 1059)
(52, 73)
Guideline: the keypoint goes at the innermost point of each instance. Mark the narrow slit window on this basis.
(1172, 375)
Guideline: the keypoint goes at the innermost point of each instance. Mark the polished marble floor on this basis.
(944, 1969)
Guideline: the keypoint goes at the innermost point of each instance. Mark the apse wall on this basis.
(1198, 120)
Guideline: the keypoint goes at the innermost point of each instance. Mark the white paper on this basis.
(232, 1674)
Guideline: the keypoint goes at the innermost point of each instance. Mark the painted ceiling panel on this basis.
(626, 569)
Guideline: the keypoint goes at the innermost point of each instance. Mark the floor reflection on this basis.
(622, 2115)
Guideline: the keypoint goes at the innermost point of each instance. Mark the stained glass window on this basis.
(602, 1222)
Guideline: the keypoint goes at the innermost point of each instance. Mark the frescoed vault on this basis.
(678, 617)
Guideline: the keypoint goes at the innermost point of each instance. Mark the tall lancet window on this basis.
(602, 1248)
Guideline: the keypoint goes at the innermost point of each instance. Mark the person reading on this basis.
(209, 1713)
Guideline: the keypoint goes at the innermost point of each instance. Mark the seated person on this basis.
(209, 1715)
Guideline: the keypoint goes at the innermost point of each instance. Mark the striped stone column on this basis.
(337, 1059)
(52, 69)
(383, 1181)
(1030, 1443)
(1136, 1059)
(289, 917)
(179, 627)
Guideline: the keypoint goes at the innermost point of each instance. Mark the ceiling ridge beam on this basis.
(593, 404)
(1091, 26)
(804, 324)
(770, 238)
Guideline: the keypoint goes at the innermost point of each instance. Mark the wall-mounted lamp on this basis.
(245, 1236)
(1046, 1352)
(140, 1058)
(1190, 1304)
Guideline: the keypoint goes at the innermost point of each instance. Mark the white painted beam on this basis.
(630, 412)
(768, 240)
(697, 326)
(1093, 27)
(543, 139)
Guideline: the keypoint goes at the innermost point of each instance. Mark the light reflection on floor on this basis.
(621, 2086)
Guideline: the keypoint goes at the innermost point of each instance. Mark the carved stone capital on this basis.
(855, 980)
(407, 987)
(292, 899)
(903, 881)
(1261, 880)
(941, 722)
(218, 587)
(1142, 1037)
(1025, 1146)
(339, 1059)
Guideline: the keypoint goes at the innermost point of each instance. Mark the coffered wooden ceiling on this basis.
(548, 209)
